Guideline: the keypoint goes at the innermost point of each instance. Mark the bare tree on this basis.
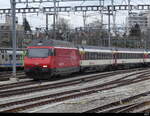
(63, 29)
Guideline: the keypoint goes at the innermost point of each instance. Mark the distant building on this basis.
(142, 19)
(5, 33)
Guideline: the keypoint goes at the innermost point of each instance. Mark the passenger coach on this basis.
(6, 57)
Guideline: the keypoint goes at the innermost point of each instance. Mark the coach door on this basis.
(114, 58)
(0, 57)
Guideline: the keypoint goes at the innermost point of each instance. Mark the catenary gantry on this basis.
(76, 8)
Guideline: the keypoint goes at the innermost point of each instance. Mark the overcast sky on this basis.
(75, 19)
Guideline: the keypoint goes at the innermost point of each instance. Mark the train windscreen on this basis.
(38, 52)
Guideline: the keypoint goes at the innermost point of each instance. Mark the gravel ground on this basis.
(51, 91)
(83, 103)
(99, 99)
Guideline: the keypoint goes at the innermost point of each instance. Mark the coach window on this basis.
(122, 55)
(103, 55)
(109, 56)
(141, 55)
(131, 56)
(128, 56)
(119, 54)
(17, 57)
(6, 58)
(90, 55)
(106, 55)
(84, 56)
(136, 55)
(100, 55)
(2, 56)
(96, 56)
(125, 55)
(87, 55)
(10, 57)
(93, 56)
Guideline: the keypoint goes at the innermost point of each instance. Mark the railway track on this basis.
(8, 72)
(30, 82)
(62, 96)
(6, 76)
(8, 93)
(124, 105)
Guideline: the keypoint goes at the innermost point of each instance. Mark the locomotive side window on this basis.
(52, 52)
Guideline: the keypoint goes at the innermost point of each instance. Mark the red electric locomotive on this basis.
(46, 58)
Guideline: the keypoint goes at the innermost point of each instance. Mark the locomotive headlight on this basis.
(45, 66)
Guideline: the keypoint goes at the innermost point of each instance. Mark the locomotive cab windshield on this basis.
(39, 52)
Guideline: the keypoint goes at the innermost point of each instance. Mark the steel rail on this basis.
(64, 84)
(82, 92)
